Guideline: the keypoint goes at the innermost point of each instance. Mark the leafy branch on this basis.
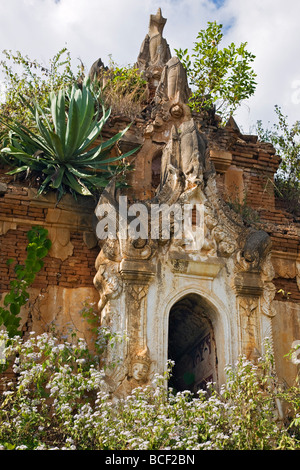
(286, 140)
(220, 78)
(37, 248)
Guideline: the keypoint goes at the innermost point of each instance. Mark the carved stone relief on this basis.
(6, 226)
(249, 328)
(140, 366)
(269, 289)
(61, 246)
(136, 308)
(173, 85)
(107, 281)
(185, 152)
(124, 266)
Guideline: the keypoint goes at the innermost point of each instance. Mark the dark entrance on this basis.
(156, 170)
(192, 344)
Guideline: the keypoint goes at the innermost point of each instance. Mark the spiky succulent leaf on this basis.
(59, 115)
(62, 150)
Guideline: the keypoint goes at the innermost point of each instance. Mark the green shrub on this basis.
(286, 140)
(37, 248)
(124, 90)
(220, 78)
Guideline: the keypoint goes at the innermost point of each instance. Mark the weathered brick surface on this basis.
(257, 161)
(287, 290)
(259, 164)
(77, 270)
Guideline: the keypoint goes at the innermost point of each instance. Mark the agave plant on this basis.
(62, 149)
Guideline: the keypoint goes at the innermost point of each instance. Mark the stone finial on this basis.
(157, 23)
(97, 71)
(155, 50)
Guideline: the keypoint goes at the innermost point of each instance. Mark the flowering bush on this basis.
(59, 400)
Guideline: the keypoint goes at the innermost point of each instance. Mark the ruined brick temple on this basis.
(200, 306)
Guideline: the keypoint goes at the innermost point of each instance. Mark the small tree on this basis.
(286, 140)
(219, 77)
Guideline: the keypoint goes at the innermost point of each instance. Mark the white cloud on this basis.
(271, 28)
(96, 28)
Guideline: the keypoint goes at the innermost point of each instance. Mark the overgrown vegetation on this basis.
(61, 149)
(220, 78)
(37, 248)
(60, 400)
(53, 125)
(124, 90)
(34, 80)
(286, 140)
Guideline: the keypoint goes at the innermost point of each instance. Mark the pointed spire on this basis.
(157, 23)
(155, 49)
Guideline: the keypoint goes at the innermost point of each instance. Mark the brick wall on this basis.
(290, 290)
(18, 213)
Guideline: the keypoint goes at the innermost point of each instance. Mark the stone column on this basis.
(137, 275)
(249, 288)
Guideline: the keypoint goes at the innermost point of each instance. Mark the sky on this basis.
(99, 28)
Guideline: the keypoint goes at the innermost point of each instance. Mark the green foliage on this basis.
(60, 400)
(59, 149)
(286, 140)
(34, 80)
(219, 77)
(127, 80)
(37, 249)
(124, 90)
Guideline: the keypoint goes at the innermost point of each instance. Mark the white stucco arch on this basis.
(220, 317)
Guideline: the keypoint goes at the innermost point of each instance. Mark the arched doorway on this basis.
(191, 344)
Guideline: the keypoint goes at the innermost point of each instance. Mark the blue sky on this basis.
(96, 28)
(218, 3)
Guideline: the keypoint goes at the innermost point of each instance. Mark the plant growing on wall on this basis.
(61, 150)
(219, 77)
(286, 140)
(125, 90)
(33, 79)
(37, 248)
